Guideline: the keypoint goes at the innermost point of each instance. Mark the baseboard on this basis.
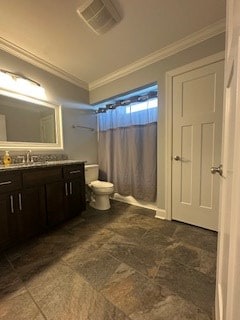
(161, 214)
(218, 303)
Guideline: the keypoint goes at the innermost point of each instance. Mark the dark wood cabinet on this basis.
(65, 198)
(34, 199)
(8, 220)
(21, 215)
(75, 201)
(55, 203)
(32, 217)
(10, 182)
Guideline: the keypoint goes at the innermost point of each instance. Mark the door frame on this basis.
(168, 121)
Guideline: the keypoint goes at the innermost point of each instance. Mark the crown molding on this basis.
(178, 46)
(38, 62)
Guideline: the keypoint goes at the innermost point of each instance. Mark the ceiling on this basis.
(52, 32)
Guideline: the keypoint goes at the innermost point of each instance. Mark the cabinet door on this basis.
(75, 199)
(31, 215)
(8, 220)
(55, 201)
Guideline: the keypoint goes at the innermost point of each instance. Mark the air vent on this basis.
(100, 15)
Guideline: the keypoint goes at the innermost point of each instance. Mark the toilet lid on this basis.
(101, 184)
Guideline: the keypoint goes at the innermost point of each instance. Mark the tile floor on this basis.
(119, 264)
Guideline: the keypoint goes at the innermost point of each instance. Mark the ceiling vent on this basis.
(100, 15)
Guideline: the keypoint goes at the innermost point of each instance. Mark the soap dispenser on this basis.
(6, 158)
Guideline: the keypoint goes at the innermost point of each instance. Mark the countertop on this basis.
(43, 164)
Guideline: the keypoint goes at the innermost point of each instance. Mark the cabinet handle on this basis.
(12, 206)
(20, 201)
(66, 189)
(70, 187)
(75, 171)
(5, 182)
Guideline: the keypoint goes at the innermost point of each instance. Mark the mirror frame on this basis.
(58, 145)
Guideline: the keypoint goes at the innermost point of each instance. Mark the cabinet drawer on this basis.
(73, 171)
(10, 181)
(41, 176)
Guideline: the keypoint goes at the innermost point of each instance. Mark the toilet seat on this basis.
(100, 184)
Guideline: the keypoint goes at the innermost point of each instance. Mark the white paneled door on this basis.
(228, 265)
(197, 122)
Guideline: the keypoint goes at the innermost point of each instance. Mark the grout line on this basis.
(24, 286)
(42, 313)
(94, 289)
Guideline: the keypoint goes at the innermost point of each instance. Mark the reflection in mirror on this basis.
(23, 121)
(29, 122)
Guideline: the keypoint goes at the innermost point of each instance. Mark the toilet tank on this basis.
(91, 172)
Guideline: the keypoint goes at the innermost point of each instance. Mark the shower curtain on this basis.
(128, 151)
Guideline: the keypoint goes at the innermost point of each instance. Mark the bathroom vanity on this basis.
(36, 196)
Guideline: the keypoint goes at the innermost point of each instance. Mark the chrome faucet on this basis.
(28, 156)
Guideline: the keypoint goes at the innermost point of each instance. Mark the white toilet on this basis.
(101, 190)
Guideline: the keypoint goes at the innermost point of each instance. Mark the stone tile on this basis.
(78, 255)
(132, 233)
(138, 220)
(97, 268)
(37, 252)
(20, 307)
(10, 283)
(171, 308)
(88, 230)
(76, 299)
(38, 256)
(188, 283)
(18, 251)
(74, 222)
(164, 227)
(3, 262)
(130, 291)
(190, 256)
(87, 247)
(118, 264)
(31, 263)
(207, 264)
(142, 259)
(103, 219)
(184, 254)
(201, 238)
(142, 211)
(155, 238)
(60, 235)
(43, 283)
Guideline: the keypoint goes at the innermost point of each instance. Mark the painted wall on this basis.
(156, 73)
(73, 99)
(80, 143)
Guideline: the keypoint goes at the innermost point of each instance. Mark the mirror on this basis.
(28, 123)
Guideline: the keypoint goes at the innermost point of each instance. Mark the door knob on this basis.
(177, 158)
(217, 170)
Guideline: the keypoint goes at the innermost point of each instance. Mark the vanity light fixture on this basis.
(20, 84)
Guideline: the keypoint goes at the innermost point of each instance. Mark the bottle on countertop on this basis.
(6, 158)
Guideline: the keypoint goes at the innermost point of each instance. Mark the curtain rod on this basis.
(126, 102)
(74, 126)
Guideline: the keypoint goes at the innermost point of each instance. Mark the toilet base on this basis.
(100, 202)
